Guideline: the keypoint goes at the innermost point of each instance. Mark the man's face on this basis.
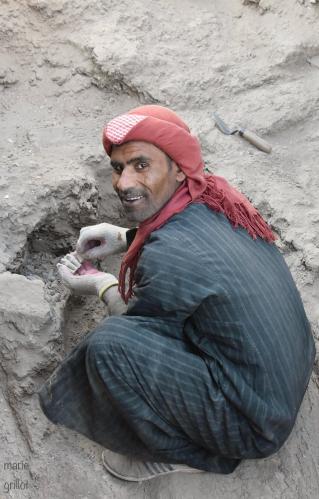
(143, 178)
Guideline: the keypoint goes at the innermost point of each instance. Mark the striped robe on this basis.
(210, 363)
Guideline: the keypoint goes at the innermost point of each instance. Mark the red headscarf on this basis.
(164, 129)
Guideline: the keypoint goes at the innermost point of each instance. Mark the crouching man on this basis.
(207, 352)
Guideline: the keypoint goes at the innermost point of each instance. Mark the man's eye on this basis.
(141, 165)
(117, 169)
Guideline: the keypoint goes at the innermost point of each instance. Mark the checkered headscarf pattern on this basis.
(117, 129)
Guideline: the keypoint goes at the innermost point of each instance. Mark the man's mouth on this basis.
(130, 200)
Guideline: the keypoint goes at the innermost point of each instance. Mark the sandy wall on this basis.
(65, 68)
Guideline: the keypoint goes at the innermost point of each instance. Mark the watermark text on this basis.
(15, 483)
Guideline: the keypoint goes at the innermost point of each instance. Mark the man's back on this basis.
(234, 299)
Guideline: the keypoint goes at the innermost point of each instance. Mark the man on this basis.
(207, 352)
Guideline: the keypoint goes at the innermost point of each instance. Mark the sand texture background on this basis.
(66, 67)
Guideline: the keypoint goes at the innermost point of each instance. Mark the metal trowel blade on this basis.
(222, 125)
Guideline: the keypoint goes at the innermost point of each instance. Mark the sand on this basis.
(65, 69)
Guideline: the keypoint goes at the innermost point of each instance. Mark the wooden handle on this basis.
(256, 141)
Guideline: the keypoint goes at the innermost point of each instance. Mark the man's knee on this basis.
(108, 344)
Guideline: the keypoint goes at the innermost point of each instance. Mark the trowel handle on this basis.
(255, 140)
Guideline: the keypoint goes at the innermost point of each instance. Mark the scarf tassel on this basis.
(237, 213)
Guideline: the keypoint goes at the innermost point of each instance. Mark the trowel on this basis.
(246, 134)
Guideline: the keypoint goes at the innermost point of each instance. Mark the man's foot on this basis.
(129, 469)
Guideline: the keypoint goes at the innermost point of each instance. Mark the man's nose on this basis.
(127, 179)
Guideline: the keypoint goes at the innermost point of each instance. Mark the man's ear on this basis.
(180, 175)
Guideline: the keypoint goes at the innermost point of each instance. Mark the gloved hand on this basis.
(99, 241)
(82, 278)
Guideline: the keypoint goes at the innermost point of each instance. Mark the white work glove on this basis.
(99, 241)
(82, 278)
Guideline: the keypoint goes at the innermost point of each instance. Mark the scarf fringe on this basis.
(237, 213)
(126, 295)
